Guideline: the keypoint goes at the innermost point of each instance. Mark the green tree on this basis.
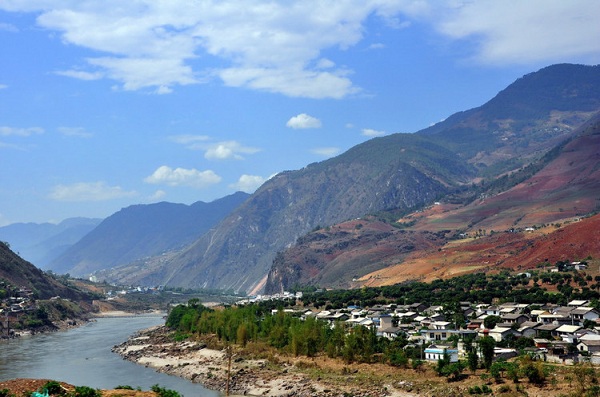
(486, 346)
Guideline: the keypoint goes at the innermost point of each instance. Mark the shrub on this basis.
(53, 388)
(162, 392)
(86, 391)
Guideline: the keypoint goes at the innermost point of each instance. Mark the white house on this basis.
(435, 353)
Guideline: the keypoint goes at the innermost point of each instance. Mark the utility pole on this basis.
(228, 348)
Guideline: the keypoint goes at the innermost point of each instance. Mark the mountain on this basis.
(40, 243)
(20, 273)
(139, 231)
(542, 218)
(401, 171)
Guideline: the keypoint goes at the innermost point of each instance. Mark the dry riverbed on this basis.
(275, 375)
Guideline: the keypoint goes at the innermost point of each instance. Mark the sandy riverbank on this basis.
(256, 377)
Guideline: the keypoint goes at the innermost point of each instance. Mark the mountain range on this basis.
(528, 157)
(140, 231)
(41, 243)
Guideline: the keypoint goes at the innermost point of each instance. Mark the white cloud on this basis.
(93, 191)
(523, 32)
(267, 46)
(303, 121)
(8, 131)
(325, 63)
(248, 183)
(183, 177)
(81, 75)
(228, 150)
(3, 86)
(326, 151)
(372, 133)
(75, 132)
(377, 46)
(194, 142)
(158, 195)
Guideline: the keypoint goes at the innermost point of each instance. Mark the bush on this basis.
(162, 392)
(86, 391)
(6, 393)
(53, 388)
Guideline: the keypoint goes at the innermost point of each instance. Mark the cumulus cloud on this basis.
(267, 46)
(228, 150)
(326, 151)
(8, 131)
(192, 177)
(92, 191)
(372, 133)
(522, 32)
(75, 132)
(157, 195)
(303, 121)
(248, 183)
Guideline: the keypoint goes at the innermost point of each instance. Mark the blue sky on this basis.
(105, 104)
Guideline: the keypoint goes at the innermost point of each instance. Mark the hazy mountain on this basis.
(401, 171)
(139, 231)
(562, 187)
(40, 243)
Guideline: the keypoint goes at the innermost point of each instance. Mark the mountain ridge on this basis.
(500, 223)
(239, 251)
(142, 230)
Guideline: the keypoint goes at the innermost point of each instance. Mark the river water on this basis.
(83, 357)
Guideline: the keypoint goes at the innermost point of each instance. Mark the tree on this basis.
(454, 371)
(490, 321)
(473, 360)
(486, 346)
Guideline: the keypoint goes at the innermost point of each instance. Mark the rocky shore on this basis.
(194, 361)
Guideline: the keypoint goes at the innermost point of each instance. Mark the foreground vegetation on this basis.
(54, 388)
(266, 324)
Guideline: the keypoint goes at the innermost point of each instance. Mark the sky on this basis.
(110, 103)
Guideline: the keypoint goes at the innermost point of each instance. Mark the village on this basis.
(563, 334)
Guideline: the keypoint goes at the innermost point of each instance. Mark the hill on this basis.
(40, 243)
(143, 230)
(20, 273)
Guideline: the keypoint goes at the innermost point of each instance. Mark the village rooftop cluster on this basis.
(561, 334)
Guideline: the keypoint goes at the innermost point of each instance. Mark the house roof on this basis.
(590, 342)
(583, 310)
(577, 303)
(569, 329)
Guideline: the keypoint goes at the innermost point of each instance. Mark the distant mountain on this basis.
(401, 171)
(40, 243)
(20, 273)
(140, 231)
(562, 187)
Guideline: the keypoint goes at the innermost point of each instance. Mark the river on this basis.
(83, 357)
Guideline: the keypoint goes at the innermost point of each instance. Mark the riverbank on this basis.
(260, 373)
